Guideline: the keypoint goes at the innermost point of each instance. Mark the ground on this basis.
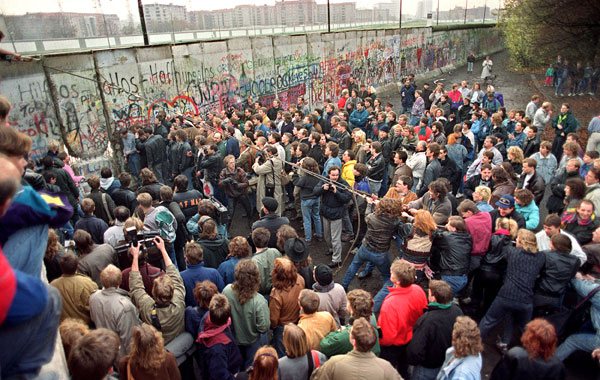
(517, 89)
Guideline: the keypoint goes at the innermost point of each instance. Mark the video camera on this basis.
(132, 238)
(222, 215)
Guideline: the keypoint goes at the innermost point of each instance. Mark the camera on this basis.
(262, 158)
(134, 237)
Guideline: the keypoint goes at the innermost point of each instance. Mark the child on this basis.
(549, 76)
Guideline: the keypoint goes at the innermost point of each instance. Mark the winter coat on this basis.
(399, 313)
(536, 185)
(432, 172)
(269, 173)
(380, 231)
(333, 204)
(235, 184)
(451, 251)
(558, 270)
(518, 365)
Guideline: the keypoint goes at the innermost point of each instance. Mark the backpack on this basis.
(166, 224)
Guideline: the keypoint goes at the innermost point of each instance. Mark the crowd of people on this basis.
(462, 206)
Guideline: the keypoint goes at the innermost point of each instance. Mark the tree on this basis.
(538, 30)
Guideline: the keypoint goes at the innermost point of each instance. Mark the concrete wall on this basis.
(84, 99)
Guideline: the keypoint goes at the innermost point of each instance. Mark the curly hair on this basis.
(508, 224)
(284, 233)
(53, 246)
(284, 273)
(424, 222)
(361, 303)
(539, 339)
(239, 247)
(247, 280)
(147, 176)
(392, 207)
(517, 154)
(466, 338)
(310, 164)
(204, 292)
(526, 240)
(147, 348)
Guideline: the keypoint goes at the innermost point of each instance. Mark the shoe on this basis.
(460, 195)
(335, 264)
(318, 238)
(364, 274)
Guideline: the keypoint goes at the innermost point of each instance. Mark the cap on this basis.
(323, 274)
(385, 128)
(506, 201)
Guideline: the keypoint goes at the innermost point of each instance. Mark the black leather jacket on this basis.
(451, 251)
(556, 274)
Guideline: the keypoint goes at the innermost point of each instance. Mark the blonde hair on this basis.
(508, 224)
(517, 154)
(484, 192)
(526, 240)
(466, 338)
(162, 290)
(111, 276)
(294, 341)
(147, 347)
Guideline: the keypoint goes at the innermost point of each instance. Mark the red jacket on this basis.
(8, 286)
(399, 313)
(424, 137)
(480, 228)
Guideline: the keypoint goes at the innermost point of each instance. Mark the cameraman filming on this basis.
(269, 170)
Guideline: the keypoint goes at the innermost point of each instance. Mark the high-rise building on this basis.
(423, 8)
(164, 12)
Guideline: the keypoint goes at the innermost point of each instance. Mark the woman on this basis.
(245, 300)
(463, 359)
(300, 361)
(452, 253)
(310, 203)
(477, 94)
(493, 264)
(417, 243)
(359, 140)
(215, 246)
(515, 157)
(481, 197)
(269, 170)
(514, 303)
(574, 192)
(234, 182)
(503, 184)
(283, 301)
(264, 367)
(239, 249)
(486, 68)
(147, 357)
(203, 293)
(54, 251)
(535, 360)
(525, 205)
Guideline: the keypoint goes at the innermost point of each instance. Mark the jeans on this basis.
(134, 164)
(583, 342)
(249, 350)
(157, 169)
(347, 227)
(375, 186)
(277, 341)
(469, 70)
(422, 373)
(457, 283)
(189, 173)
(333, 238)
(32, 342)
(380, 296)
(559, 86)
(380, 259)
(311, 212)
(172, 255)
(509, 312)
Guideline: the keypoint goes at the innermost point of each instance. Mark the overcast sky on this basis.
(121, 7)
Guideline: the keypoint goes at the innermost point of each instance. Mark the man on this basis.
(210, 168)
(166, 307)
(111, 307)
(552, 226)
(270, 219)
(159, 219)
(434, 201)
(93, 355)
(124, 196)
(407, 96)
(482, 179)
(555, 202)
(433, 169)
(90, 223)
(359, 117)
(264, 259)
(340, 134)
(400, 168)
(376, 167)
(592, 181)
(546, 162)
(401, 190)
(114, 234)
(542, 117)
(531, 181)
(275, 108)
(156, 153)
(360, 363)
(196, 272)
(479, 226)
(532, 106)
(93, 258)
(104, 204)
(63, 180)
(432, 334)
(532, 143)
(75, 290)
(489, 146)
(517, 138)
(417, 162)
(582, 222)
(449, 169)
(506, 209)
(333, 202)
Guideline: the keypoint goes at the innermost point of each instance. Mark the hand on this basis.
(325, 186)
(160, 243)
(412, 211)
(134, 250)
(596, 354)
(559, 126)
(334, 188)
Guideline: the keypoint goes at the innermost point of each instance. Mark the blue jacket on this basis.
(331, 161)
(219, 361)
(227, 269)
(531, 213)
(198, 273)
(408, 96)
(467, 368)
(518, 140)
(232, 147)
(359, 118)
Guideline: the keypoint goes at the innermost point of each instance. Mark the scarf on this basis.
(213, 334)
(423, 131)
(569, 218)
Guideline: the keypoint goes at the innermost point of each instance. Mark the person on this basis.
(270, 219)
(582, 222)
(93, 258)
(310, 203)
(563, 124)
(451, 251)
(194, 315)
(75, 290)
(332, 296)
(399, 312)
(531, 144)
(546, 162)
(150, 184)
(299, 361)
(269, 182)
(284, 307)
(531, 180)
(214, 245)
(196, 272)
(264, 258)
(187, 200)
(592, 182)
(238, 249)
(181, 234)
(160, 219)
(525, 205)
(514, 302)
(249, 310)
(506, 209)
(432, 170)
(115, 234)
(382, 225)
(463, 359)
(481, 197)
(536, 359)
(470, 62)
(112, 308)
(334, 198)
(218, 356)
(234, 182)
(124, 196)
(432, 334)
(316, 324)
(148, 358)
(435, 201)
(503, 183)
(93, 225)
(166, 307)
(156, 153)
(264, 365)
(93, 355)
(553, 225)
(360, 363)
(484, 178)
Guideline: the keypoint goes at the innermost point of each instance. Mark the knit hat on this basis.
(385, 128)
(506, 201)
(323, 274)
(270, 204)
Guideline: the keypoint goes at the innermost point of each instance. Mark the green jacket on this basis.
(568, 121)
(338, 342)
(265, 261)
(250, 319)
(171, 317)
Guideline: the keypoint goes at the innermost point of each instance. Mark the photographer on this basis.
(209, 169)
(269, 169)
(234, 182)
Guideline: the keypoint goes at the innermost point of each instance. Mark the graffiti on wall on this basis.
(130, 86)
